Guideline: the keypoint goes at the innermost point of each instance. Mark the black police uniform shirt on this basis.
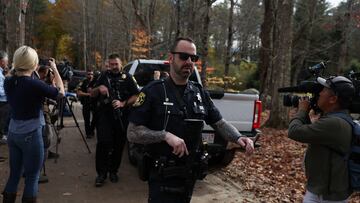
(83, 86)
(154, 104)
(125, 84)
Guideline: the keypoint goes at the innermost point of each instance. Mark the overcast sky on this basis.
(334, 2)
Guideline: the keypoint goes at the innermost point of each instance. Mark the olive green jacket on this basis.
(328, 140)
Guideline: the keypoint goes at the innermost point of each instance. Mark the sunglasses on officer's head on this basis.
(184, 56)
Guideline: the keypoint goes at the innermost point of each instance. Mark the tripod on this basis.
(62, 103)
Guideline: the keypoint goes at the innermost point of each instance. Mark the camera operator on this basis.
(328, 140)
(84, 96)
(115, 91)
(46, 74)
(26, 148)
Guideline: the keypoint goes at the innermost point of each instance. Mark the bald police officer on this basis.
(160, 119)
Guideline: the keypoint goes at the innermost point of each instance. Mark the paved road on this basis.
(72, 177)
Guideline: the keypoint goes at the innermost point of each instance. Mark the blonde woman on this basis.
(25, 96)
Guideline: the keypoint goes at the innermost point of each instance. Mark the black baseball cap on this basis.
(342, 86)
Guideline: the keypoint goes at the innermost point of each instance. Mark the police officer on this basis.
(115, 91)
(158, 120)
(84, 96)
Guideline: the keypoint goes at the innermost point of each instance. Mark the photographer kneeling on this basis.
(26, 148)
(328, 139)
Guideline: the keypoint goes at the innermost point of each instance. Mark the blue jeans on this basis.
(313, 198)
(26, 155)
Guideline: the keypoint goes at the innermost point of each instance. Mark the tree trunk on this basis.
(178, 9)
(150, 22)
(280, 72)
(22, 17)
(204, 41)
(303, 41)
(265, 55)
(4, 4)
(230, 38)
(84, 35)
(343, 52)
(191, 20)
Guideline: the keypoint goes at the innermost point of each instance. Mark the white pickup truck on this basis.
(241, 110)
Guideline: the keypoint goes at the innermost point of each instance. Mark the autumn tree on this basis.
(140, 44)
(304, 25)
(204, 39)
(278, 53)
(345, 33)
(4, 4)
(230, 38)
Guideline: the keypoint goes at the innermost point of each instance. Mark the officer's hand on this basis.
(103, 90)
(118, 104)
(178, 144)
(247, 144)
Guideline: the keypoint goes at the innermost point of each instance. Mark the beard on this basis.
(115, 71)
(183, 71)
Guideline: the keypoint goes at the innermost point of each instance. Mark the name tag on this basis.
(168, 103)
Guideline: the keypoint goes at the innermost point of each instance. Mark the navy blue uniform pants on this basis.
(111, 139)
(175, 189)
(88, 119)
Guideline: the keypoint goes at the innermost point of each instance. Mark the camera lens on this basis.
(291, 100)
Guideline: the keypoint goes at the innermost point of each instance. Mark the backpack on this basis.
(353, 157)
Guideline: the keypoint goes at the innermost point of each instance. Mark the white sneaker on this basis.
(3, 140)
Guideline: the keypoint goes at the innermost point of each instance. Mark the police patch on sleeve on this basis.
(140, 100)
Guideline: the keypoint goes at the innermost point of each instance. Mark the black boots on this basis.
(100, 180)
(114, 178)
(9, 197)
(28, 200)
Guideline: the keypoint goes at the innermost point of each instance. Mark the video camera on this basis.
(313, 88)
(65, 70)
(44, 61)
(64, 67)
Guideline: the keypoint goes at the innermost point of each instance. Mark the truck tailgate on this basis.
(237, 109)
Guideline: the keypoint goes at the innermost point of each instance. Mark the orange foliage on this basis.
(140, 44)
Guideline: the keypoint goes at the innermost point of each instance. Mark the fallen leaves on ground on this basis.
(274, 173)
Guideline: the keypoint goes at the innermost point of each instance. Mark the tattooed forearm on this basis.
(226, 130)
(143, 135)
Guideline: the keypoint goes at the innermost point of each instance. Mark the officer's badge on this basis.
(140, 100)
(123, 76)
(199, 97)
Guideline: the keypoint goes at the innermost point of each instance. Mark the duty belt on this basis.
(176, 169)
